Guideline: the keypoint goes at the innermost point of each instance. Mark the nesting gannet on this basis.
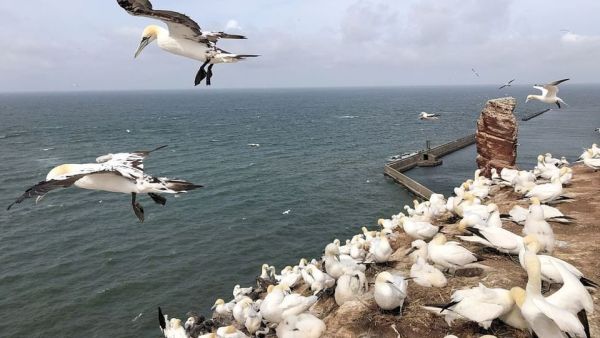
(549, 92)
(350, 286)
(494, 237)
(482, 305)
(230, 332)
(336, 265)
(418, 229)
(183, 37)
(519, 214)
(304, 325)
(535, 224)
(549, 272)
(548, 192)
(239, 292)
(380, 249)
(253, 318)
(317, 279)
(223, 309)
(390, 290)
(270, 306)
(240, 310)
(543, 317)
(506, 84)
(427, 275)
(428, 116)
(171, 328)
(449, 255)
(591, 160)
(120, 172)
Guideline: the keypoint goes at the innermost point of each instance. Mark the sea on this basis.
(79, 264)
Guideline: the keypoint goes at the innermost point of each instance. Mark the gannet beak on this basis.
(213, 307)
(145, 41)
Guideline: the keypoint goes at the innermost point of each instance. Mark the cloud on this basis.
(232, 24)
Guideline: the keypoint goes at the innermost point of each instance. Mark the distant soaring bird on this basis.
(475, 72)
(549, 92)
(184, 38)
(120, 172)
(506, 84)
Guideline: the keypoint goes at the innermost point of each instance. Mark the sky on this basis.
(67, 45)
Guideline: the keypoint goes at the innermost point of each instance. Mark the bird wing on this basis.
(43, 187)
(565, 320)
(552, 90)
(556, 83)
(511, 81)
(180, 25)
(127, 163)
(543, 89)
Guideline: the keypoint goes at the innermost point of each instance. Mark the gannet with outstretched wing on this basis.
(183, 37)
(120, 172)
(549, 92)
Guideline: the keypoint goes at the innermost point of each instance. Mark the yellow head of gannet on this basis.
(175, 323)
(230, 329)
(59, 171)
(462, 225)
(218, 302)
(518, 295)
(439, 239)
(535, 201)
(531, 243)
(149, 34)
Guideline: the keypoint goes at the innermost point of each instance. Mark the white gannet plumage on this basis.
(549, 92)
(183, 37)
(121, 172)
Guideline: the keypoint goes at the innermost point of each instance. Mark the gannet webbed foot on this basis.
(201, 73)
(137, 208)
(158, 199)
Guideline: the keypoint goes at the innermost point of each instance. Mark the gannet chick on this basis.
(304, 325)
(449, 255)
(390, 290)
(350, 287)
(427, 275)
(535, 224)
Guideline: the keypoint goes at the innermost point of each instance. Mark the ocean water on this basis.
(78, 264)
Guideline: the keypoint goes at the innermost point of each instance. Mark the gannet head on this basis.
(535, 201)
(148, 35)
(59, 171)
(518, 295)
(462, 225)
(175, 323)
(230, 329)
(439, 239)
(217, 303)
(380, 221)
(531, 243)
(529, 97)
(383, 277)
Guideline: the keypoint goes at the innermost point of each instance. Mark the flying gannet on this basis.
(549, 92)
(120, 172)
(183, 37)
(427, 116)
(506, 84)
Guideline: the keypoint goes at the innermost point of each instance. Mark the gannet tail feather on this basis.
(588, 282)
(180, 185)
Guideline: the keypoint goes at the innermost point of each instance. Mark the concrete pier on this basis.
(424, 158)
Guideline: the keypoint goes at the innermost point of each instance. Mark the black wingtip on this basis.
(505, 216)
(161, 319)
(588, 282)
(477, 233)
(10, 206)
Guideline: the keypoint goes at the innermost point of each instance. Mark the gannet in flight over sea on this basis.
(427, 116)
(120, 172)
(183, 37)
(507, 84)
(549, 92)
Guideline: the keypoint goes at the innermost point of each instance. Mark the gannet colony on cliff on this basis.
(183, 37)
(360, 270)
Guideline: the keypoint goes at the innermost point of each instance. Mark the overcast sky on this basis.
(62, 45)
